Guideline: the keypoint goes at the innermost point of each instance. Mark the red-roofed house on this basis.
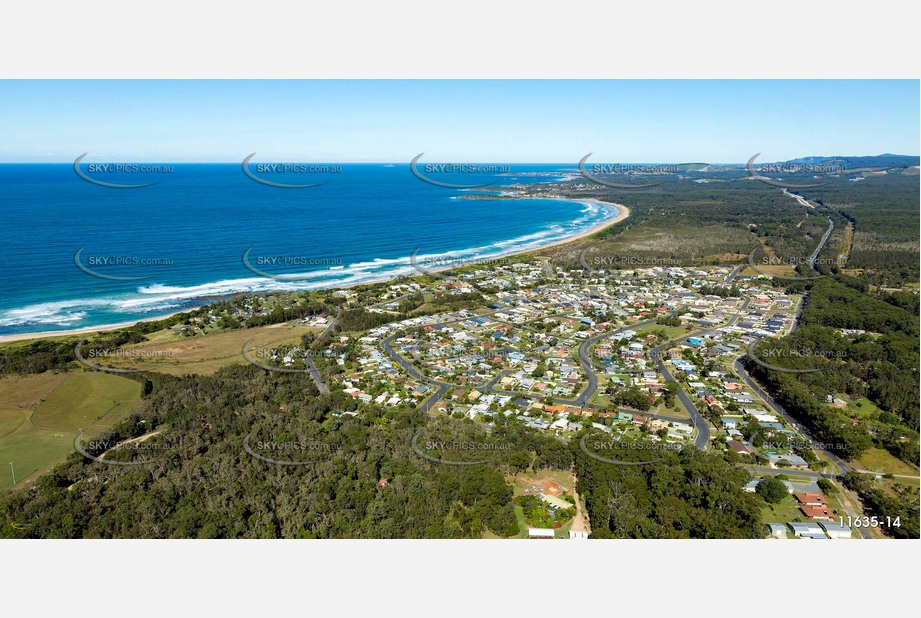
(817, 512)
(810, 499)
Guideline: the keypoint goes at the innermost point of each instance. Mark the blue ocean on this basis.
(78, 254)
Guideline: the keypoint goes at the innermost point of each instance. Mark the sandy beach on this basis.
(622, 213)
(80, 331)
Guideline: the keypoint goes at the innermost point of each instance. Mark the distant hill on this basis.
(879, 161)
(693, 167)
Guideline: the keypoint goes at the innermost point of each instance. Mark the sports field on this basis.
(41, 414)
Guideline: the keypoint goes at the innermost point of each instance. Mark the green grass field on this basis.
(41, 415)
(678, 411)
(83, 399)
(882, 461)
(522, 523)
(33, 451)
(861, 408)
(12, 420)
(669, 331)
(28, 391)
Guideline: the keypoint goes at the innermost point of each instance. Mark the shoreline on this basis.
(622, 213)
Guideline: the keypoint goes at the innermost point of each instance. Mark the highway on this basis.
(773, 405)
(818, 249)
(847, 498)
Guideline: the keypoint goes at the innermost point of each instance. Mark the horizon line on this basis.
(440, 161)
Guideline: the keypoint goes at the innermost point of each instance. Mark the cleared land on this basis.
(879, 460)
(41, 415)
(171, 353)
(83, 399)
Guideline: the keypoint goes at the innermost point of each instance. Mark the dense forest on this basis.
(202, 483)
(362, 477)
(884, 211)
(881, 365)
(683, 494)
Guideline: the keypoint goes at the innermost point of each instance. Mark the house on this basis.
(807, 530)
(540, 533)
(817, 512)
(792, 460)
(777, 531)
(753, 486)
(738, 447)
(836, 530)
(555, 502)
(560, 424)
(807, 499)
(578, 534)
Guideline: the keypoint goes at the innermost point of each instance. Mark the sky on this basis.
(662, 121)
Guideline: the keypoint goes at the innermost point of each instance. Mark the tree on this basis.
(827, 486)
(772, 490)
(539, 371)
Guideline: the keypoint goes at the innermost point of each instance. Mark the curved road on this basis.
(703, 429)
(588, 366)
